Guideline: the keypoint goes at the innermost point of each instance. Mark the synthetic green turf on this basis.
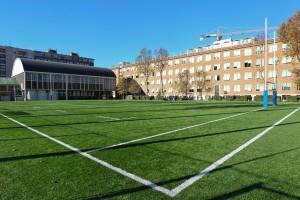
(33, 167)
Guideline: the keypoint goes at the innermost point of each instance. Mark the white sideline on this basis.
(207, 170)
(165, 133)
(116, 169)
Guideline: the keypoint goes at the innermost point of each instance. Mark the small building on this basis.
(41, 80)
(9, 89)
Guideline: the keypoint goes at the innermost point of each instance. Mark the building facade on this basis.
(232, 67)
(9, 54)
(41, 80)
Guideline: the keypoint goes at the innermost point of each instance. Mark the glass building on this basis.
(40, 80)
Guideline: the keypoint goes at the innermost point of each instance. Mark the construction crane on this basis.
(219, 35)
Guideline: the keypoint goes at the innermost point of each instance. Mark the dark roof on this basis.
(63, 68)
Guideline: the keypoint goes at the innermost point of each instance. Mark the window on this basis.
(248, 75)
(236, 53)
(170, 62)
(248, 87)
(199, 58)
(236, 88)
(207, 68)
(158, 81)
(272, 60)
(286, 86)
(177, 62)
(226, 66)
(217, 67)
(248, 52)
(217, 77)
(272, 48)
(170, 90)
(191, 69)
(207, 78)
(226, 89)
(227, 54)
(236, 65)
(248, 63)
(260, 74)
(208, 57)
(271, 74)
(286, 73)
(259, 50)
(191, 60)
(199, 78)
(271, 86)
(176, 71)
(199, 69)
(152, 82)
(284, 47)
(286, 59)
(158, 73)
(170, 81)
(183, 61)
(259, 62)
(260, 87)
(217, 56)
(170, 72)
(236, 76)
(183, 70)
(164, 81)
(192, 79)
(226, 77)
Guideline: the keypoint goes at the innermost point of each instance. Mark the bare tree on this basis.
(203, 82)
(161, 57)
(184, 83)
(143, 62)
(289, 33)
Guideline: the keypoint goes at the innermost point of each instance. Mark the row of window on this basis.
(235, 88)
(59, 81)
(227, 65)
(248, 75)
(226, 77)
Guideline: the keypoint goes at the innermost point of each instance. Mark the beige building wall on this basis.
(234, 66)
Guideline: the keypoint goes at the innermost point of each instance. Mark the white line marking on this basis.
(177, 189)
(60, 110)
(103, 163)
(165, 133)
(207, 170)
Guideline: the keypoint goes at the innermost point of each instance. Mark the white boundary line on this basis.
(207, 170)
(165, 133)
(177, 189)
(103, 163)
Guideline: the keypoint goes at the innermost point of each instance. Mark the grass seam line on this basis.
(103, 163)
(165, 133)
(210, 168)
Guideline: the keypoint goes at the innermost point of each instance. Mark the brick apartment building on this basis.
(234, 67)
(9, 54)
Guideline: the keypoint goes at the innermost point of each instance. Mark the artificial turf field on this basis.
(163, 150)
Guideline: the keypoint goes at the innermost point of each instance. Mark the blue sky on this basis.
(111, 31)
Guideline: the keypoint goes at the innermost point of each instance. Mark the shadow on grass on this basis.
(36, 156)
(193, 137)
(257, 186)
